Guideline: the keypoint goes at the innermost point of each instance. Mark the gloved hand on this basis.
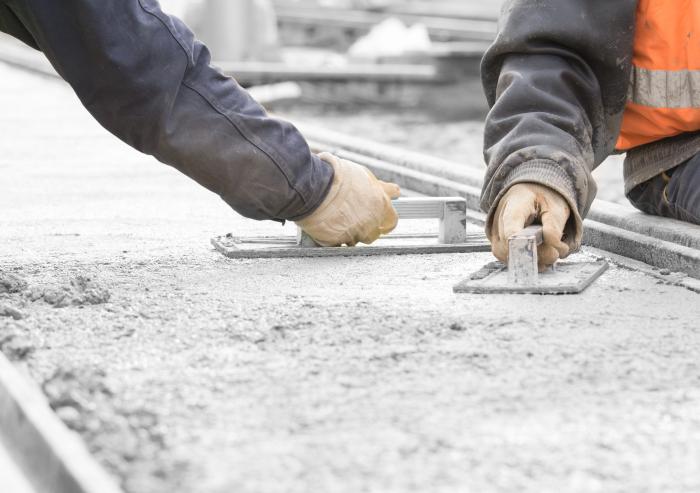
(520, 207)
(357, 209)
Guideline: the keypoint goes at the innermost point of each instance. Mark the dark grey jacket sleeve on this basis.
(556, 79)
(146, 78)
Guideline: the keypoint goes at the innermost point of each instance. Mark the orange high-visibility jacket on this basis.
(563, 75)
(664, 96)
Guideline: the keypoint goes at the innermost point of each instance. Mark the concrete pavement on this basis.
(198, 373)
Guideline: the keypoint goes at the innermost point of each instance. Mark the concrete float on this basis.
(452, 236)
(521, 275)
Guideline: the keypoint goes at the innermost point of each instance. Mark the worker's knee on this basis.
(683, 190)
(648, 197)
(674, 194)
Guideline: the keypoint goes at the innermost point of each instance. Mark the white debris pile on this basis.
(392, 38)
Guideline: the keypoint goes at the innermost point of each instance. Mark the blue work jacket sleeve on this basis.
(146, 78)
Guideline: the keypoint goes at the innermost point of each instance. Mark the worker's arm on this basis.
(144, 77)
(556, 79)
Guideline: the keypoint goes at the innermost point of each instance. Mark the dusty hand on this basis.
(357, 209)
(520, 207)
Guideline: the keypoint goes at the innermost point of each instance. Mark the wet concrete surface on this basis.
(187, 371)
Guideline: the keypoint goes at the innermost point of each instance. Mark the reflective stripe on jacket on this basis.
(664, 93)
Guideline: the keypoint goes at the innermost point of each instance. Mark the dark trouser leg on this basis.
(674, 194)
(146, 79)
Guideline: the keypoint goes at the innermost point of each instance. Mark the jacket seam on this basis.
(245, 132)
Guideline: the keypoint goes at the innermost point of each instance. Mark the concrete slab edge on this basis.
(630, 219)
(53, 458)
(678, 279)
(650, 250)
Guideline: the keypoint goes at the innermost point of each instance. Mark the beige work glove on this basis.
(357, 209)
(522, 205)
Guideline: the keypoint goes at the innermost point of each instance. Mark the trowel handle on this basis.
(531, 233)
(522, 255)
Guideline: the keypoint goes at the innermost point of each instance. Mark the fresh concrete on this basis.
(187, 371)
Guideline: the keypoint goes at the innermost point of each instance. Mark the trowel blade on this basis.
(286, 247)
(567, 278)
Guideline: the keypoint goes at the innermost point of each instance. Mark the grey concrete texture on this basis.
(186, 371)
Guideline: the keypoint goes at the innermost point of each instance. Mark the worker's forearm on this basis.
(556, 78)
(145, 78)
(538, 136)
